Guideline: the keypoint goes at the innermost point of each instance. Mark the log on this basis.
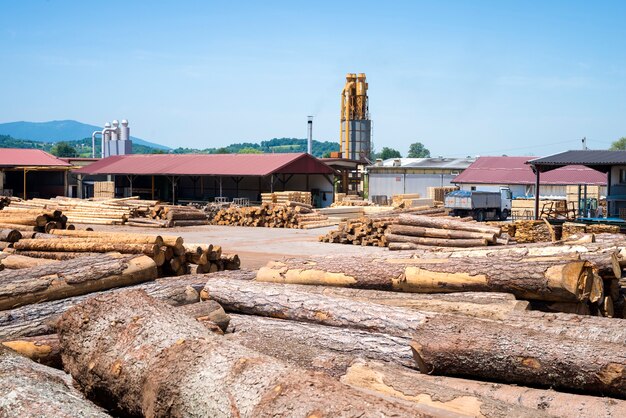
(73, 278)
(178, 360)
(39, 319)
(55, 255)
(16, 262)
(495, 306)
(28, 389)
(10, 235)
(96, 246)
(438, 242)
(207, 310)
(419, 231)
(443, 343)
(559, 281)
(398, 381)
(430, 222)
(44, 349)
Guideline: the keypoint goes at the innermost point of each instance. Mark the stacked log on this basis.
(165, 216)
(572, 228)
(372, 229)
(533, 231)
(31, 220)
(80, 211)
(417, 230)
(285, 215)
(203, 258)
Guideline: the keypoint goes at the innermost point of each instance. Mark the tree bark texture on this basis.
(17, 262)
(88, 245)
(446, 344)
(560, 281)
(399, 381)
(28, 389)
(10, 235)
(146, 358)
(40, 318)
(315, 346)
(73, 278)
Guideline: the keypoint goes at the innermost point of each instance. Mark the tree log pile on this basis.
(167, 216)
(300, 350)
(572, 228)
(282, 215)
(535, 231)
(82, 211)
(370, 230)
(169, 252)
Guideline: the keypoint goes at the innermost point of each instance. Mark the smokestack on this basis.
(309, 148)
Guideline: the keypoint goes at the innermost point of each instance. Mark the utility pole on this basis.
(584, 143)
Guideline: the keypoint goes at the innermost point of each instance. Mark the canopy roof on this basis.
(514, 170)
(600, 160)
(20, 157)
(208, 165)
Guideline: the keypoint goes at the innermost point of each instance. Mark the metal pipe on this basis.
(104, 132)
(309, 148)
(93, 143)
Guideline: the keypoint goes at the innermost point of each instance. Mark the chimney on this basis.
(309, 148)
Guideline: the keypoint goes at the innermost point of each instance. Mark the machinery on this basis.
(480, 205)
(356, 126)
(115, 139)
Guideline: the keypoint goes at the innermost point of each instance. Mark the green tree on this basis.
(63, 149)
(619, 145)
(250, 150)
(387, 153)
(222, 150)
(418, 150)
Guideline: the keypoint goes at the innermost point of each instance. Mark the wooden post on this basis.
(152, 188)
(221, 195)
(586, 210)
(537, 180)
(272, 184)
(202, 187)
(24, 183)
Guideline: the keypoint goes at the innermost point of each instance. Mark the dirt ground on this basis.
(255, 246)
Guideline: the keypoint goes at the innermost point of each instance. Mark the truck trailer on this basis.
(480, 205)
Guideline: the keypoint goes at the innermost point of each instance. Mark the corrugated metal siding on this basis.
(386, 184)
(391, 184)
(420, 183)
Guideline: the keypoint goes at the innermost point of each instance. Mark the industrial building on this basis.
(413, 175)
(203, 177)
(32, 173)
(492, 173)
(356, 127)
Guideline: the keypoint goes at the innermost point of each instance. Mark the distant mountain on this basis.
(60, 130)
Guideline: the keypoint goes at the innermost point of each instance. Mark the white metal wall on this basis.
(392, 184)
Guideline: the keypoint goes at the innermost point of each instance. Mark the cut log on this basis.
(73, 278)
(88, 245)
(10, 235)
(418, 231)
(39, 319)
(28, 389)
(398, 381)
(565, 281)
(437, 242)
(207, 310)
(446, 344)
(148, 359)
(55, 255)
(16, 262)
(430, 222)
(44, 349)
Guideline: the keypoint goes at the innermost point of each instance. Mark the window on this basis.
(622, 176)
(473, 188)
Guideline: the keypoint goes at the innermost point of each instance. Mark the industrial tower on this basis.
(356, 127)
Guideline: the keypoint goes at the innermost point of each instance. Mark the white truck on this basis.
(480, 205)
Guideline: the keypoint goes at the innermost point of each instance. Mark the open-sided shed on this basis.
(205, 176)
(32, 173)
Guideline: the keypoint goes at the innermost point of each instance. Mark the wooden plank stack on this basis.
(286, 197)
(287, 215)
(532, 231)
(104, 189)
(438, 194)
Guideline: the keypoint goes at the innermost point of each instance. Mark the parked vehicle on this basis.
(480, 205)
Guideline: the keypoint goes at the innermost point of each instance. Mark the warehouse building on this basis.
(413, 175)
(492, 173)
(32, 173)
(204, 177)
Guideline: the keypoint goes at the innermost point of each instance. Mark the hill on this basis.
(60, 130)
(275, 145)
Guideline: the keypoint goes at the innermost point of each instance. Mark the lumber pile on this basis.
(370, 230)
(166, 216)
(438, 194)
(326, 350)
(169, 252)
(286, 197)
(104, 189)
(535, 231)
(285, 215)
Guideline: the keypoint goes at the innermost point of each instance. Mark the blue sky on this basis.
(463, 77)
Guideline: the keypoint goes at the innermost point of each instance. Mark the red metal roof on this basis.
(19, 157)
(208, 165)
(513, 170)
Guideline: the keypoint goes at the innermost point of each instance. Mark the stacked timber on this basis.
(536, 231)
(104, 189)
(79, 211)
(371, 229)
(166, 216)
(286, 197)
(169, 252)
(380, 353)
(411, 231)
(32, 220)
(288, 215)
